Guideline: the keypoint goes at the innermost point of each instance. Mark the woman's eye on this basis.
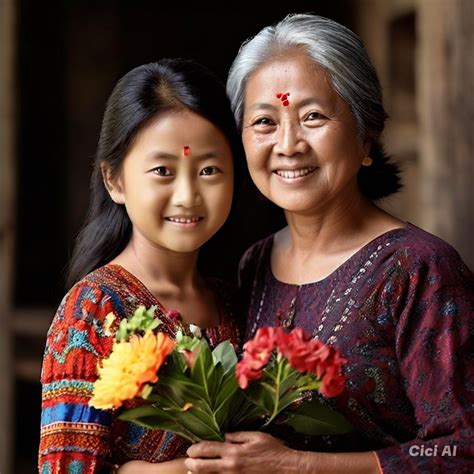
(162, 171)
(315, 116)
(265, 121)
(209, 171)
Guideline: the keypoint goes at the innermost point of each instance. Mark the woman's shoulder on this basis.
(424, 246)
(416, 251)
(256, 252)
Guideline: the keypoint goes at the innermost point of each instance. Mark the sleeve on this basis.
(75, 437)
(434, 347)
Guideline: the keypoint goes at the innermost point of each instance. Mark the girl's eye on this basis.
(162, 171)
(209, 171)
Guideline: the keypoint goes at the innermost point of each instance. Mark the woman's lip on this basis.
(294, 175)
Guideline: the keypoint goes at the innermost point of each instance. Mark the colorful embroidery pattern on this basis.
(76, 438)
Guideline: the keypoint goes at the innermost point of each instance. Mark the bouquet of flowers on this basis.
(184, 387)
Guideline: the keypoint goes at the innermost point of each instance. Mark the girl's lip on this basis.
(184, 219)
(186, 222)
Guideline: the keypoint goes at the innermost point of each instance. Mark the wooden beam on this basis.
(7, 225)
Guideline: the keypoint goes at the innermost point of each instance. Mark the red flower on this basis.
(257, 352)
(333, 378)
(296, 347)
(261, 346)
(246, 372)
(312, 356)
(306, 355)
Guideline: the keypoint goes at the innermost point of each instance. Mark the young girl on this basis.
(161, 187)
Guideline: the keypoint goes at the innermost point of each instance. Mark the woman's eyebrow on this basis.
(262, 106)
(302, 103)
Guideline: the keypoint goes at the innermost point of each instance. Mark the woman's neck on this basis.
(345, 224)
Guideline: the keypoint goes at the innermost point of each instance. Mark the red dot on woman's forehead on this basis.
(186, 150)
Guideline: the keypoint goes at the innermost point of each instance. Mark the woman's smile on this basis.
(294, 175)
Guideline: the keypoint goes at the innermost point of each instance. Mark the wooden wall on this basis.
(7, 231)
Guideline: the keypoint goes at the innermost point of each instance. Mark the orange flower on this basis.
(129, 367)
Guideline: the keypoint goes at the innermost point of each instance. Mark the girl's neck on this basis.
(160, 268)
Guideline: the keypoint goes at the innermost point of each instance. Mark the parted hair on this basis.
(341, 53)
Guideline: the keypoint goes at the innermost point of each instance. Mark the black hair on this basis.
(140, 96)
(382, 177)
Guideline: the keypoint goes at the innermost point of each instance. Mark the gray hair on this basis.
(330, 45)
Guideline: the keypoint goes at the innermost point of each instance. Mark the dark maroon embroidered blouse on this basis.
(401, 311)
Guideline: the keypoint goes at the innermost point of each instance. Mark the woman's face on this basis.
(302, 154)
(177, 182)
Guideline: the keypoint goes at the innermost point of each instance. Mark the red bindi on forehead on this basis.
(283, 98)
(186, 150)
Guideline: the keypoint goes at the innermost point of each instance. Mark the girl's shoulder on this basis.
(89, 296)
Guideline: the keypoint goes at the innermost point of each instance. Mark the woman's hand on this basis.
(176, 466)
(255, 452)
(247, 452)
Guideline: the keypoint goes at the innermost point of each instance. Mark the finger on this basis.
(206, 449)
(198, 466)
(242, 436)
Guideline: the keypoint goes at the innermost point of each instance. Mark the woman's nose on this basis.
(290, 140)
(186, 193)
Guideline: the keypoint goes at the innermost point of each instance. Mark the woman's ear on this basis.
(113, 185)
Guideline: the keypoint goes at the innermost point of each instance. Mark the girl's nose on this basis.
(186, 193)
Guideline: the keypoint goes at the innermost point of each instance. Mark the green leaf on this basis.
(181, 383)
(314, 418)
(225, 354)
(156, 419)
(203, 372)
(262, 395)
(225, 397)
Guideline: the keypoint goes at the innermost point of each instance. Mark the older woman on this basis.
(396, 301)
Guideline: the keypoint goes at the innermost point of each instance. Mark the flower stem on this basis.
(277, 392)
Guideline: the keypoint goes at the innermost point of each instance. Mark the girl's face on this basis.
(302, 153)
(176, 182)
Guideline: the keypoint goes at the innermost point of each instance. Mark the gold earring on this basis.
(367, 161)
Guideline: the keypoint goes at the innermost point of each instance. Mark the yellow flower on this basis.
(129, 367)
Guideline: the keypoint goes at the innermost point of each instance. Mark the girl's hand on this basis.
(246, 452)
